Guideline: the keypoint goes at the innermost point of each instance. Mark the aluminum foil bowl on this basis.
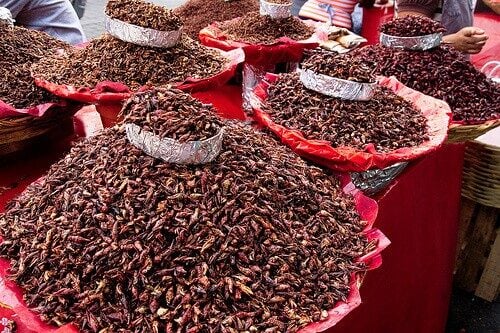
(419, 43)
(275, 10)
(334, 87)
(6, 17)
(173, 151)
(131, 33)
(373, 181)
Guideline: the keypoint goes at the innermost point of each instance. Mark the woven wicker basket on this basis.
(481, 174)
(462, 133)
(18, 133)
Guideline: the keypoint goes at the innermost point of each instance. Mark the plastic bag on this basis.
(349, 159)
(283, 50)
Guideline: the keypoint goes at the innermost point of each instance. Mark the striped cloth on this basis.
(338, 11)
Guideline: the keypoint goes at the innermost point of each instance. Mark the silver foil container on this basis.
(419, 43)
(373, 181)
(333, 87)
(6, 17)
(173, 151)
(131, 33)
(275, 10)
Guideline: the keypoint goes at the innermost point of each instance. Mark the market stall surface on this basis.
(467, 314)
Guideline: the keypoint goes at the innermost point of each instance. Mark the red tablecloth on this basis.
(419, 214)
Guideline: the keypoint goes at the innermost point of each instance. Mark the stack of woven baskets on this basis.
(481, 175)
(18, 133)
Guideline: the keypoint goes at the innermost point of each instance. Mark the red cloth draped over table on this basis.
(419, 213)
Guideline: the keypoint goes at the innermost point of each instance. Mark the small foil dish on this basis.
(334, 87)
(275, 10)
(173, 151)
(417, 43)
(135, 34)
(373, 181)
(6, 17)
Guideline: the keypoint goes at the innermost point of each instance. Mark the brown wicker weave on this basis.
(481, 173)
(463, 133)
(18, 133)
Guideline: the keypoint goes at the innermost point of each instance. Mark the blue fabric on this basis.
(296, 5)
(55, 17)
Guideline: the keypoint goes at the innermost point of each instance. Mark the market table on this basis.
(418, 213)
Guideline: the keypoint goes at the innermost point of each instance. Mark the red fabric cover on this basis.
(226, 100)
(8, 110)
(410, 293)
(372, 19)
(490, 23)
(116, 92)
(283, 50)
(349, 159)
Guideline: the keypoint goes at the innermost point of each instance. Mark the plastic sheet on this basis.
(8, 110)
(283, 49)
(375, 180)
(335, 87)
(418, 43)
(349, 159)
(135, 34)
(173, 151)
(108, 92)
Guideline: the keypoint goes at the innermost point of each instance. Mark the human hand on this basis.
(469, 40)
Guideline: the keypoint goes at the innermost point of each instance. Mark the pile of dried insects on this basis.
(113, 239)
(19, 49)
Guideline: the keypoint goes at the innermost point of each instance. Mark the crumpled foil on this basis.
(419, 43)
(373, 181)
(334, 87)
(6, 17)
(275, 10)
(131, 33)
(173, 151)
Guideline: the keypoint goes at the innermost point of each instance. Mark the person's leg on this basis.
(55, 17)
(296, 6)
(15, 6)
(357, 19)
